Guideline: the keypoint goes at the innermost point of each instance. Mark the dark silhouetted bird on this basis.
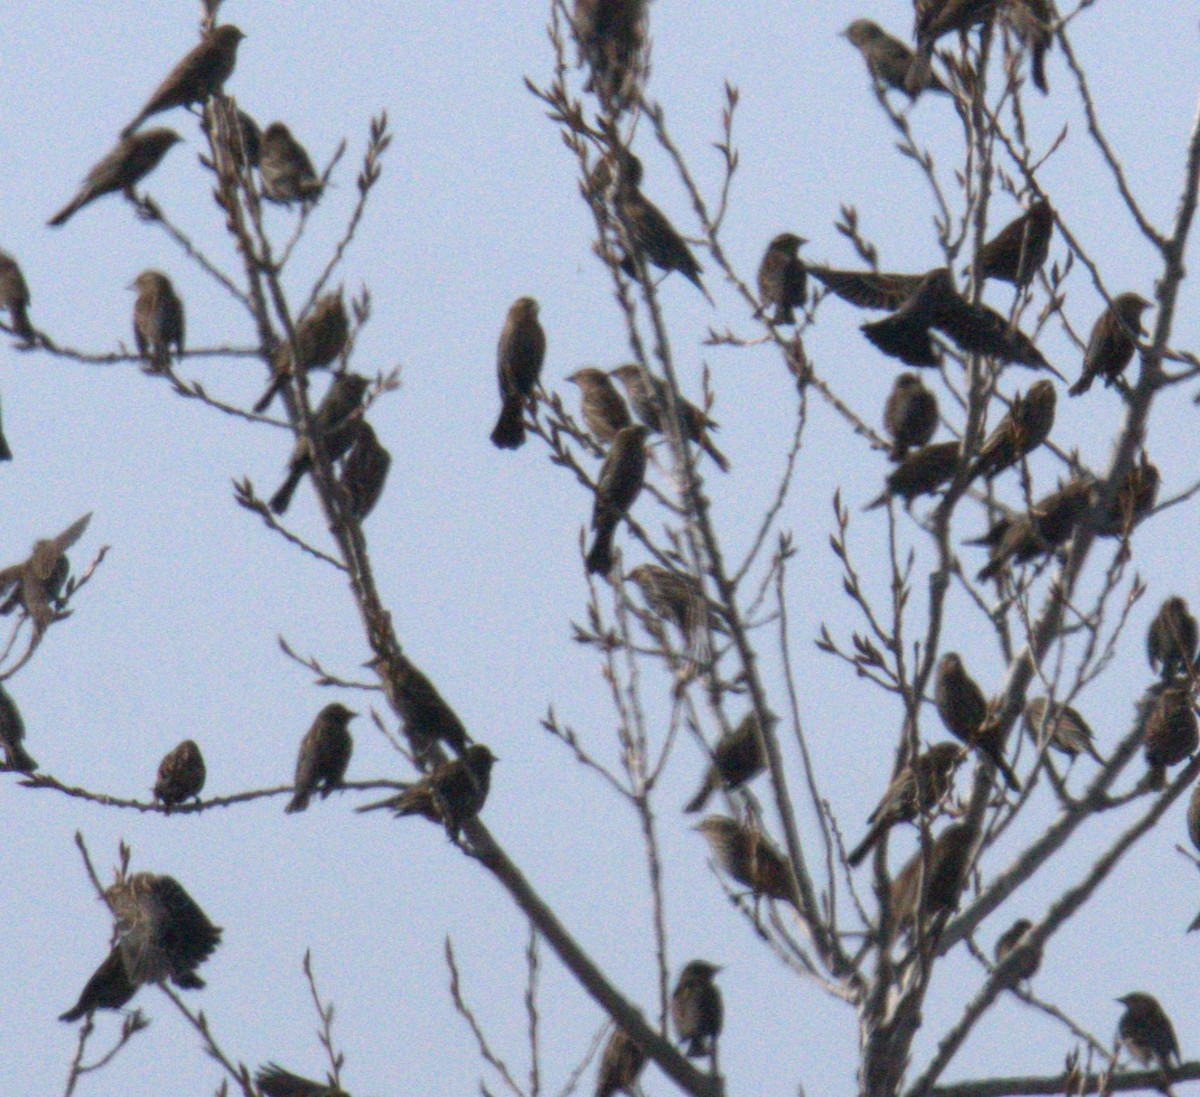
(1172, 639)
(697, 1009)
(1025, 426)
(518, 365)
(12, 731)
(181, 775)
(736, 759)
(942, 876)
(1112, 342)
(1134, 500)
(1067, 731)
(324, 755)
(109, 988)
(133, 158)
(1169, 729)
(273, 1081)
(910, 415)
(1016, 253)
(748, 856)
(921, 472)
(14, 296)
(1026, 966)
(888, 59)
(157, 319)
(321, 336)
(286, 171)
(782, 282)
(1033, 23)
(964, 710)
(617, 486)
(678, 598)
(602, 407)
(650, 399)
(611, 35)
(620, 1065)
(364, 471)
(426, 717)
(38, 579)
(1045, 529)
(936, 18)
(1147, 1032)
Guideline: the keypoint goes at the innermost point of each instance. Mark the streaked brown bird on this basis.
(12, 731)
(1172, 639)
(37, 580)
(1044, 529)
(697, 1010)
(1033, 23)
(918, 788)
(933, 886)
(324, 755)
(620, 1065)
(181, 775)
(910, 415)
(1134, 500)
(452, 793)
(679, 599)
(736, 759)
(747, 856)
(364, 471)
(158, 323)
(321, 335)
(611, 35)
(964, 710)
(936, 18)
(133, 158)
(1066, 730)
(273, 1081)
(602, 407)
(782, 281)
(202, 72)
(1018, 251)
(868, 289)
(1027, 964)
(14, 296)
(1024, 427)
(426, 716)
(617, 487)
(1170, 731)
(286, 171)
(518, 365)
(109, 988)
(650, 399)
(335, 423)
(1112, 342)
(1147, 1032)
(921, 472)
(888, 59)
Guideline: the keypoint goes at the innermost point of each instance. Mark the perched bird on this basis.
(1018, 251)
(868, 289)
(335, 422)
(888, 59)
(1172, 639)
(611, 35)
(246, 142)
(1024, 427)
(1065, 729)
(936, 18)
(921, 472)
(157, 319)
(697, 1009)
(650, 398)
(964, 710)
(1027, 964)
(133, 158)
(748, 856)
(14, 296)
(12, 731)
(286, 171)
(320, 337)
(35, 583)
(1134, 500)
(782, 281)
(1169, 729)
(918, 788)
(736, 759)
(602, 407)
(1046, 528)
(324, 755)
(364, 471)
(518, 365)
(933, 886)
(181, 775)
(910, 415)
(273, 1081)
(452, 793)
(1147, 1032)
(1112, 342)
(109, 988)
(426, 717)
(617, 486)
(678, 598)
(620, 1065)
(1033, 23)
(46, 590)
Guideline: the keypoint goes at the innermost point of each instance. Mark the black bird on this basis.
(736, 759)
(1147, 1032)
(426, 716)
(922, 472)
(364, 471)
(109, 988)
(697, 1009)
(133, 158)
(518, 365)
(12, 731)
(324, 755)
(782, 281)
(273, 1081)
(1016, 253)
(910, 415)
(181, 775)
(964, 710)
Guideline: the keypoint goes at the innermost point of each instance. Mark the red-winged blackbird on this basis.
(936, 18)
(620, 1065)
(181, 775)
(1033, 23)
(1172, 639)
(868, 289)
(1030, 960)
(364, 471)
(678, 598)
(1067, 731)
(916, 789)
(888, 59)
(1025, 426)
(964, 710)
(14, 296)
(782, 282)
(12, 731)
(426, 717)
(452, 793)
(135, 156)
(1147, 1032)
(933, 886)
(324, 755)
(1134, 500)
(284, 166)
(273, 1081)
(1016, 253)
(518, 365)
(611, 35)
(321, 335)
(910, 415)
(617, 486)
(157, 318)
(736, 759)
(697, 1009)
(1046, 528)
(650, 400)
(603, 410)
(748, 856)
(335, 422)
(109, 988)
(34, 583)
(1112, 342)
(1169, 729)
(202, 72)
(922, 472)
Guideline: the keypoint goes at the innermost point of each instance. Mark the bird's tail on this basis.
(282, 499)
(510, 427)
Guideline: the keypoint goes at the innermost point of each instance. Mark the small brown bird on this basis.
(888, 59)
(286, 171)
(697, 1009)
(109, 988)
(452, 793)
(1018, 251)
(1025, 426)
(364, 471)
(964, 710)
(14, 296)
(921, 472)
(1172, 639)
(181, 775)
(324, 755)
(1112, 342)
(1045, 529)
(936, 18)
(611, 35)
(1027, 964)
(782, 281)
(915, 790)
(321, 336)
(133, 158)
(1067, 731)
(736, 759)
(933, 886)
(617, 487)
(678, 598)
(868, 289)
(246, 142)
(35, 582)
(620, 1064)
(650, 399)
(273, 1081)
(910, 415)
(1169, 729)
(1147, 1032)
(518, 365)
(427, 718)
(748, 856)
(12, 731)
(335, 422)
(602, 407)
(1134, 501)
(157, 319)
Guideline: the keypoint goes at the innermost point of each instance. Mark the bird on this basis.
(748, 856)
(620, 1065)
(335, 423)
(157, 319)
(921, 472)
(964, 710)
(1134, 500)
(1062, 725)
(181, 775)
(888, 59)
(868, 289)
(697, 1009)
(109, 988)
(936, 18)
(12, 731)
(37, 580)
(246, 141)
(273, 1081)
(46, 589)
(678, 598)
(910, 415)
(1170, 732)
(1049, 524)
(617, 487)
(649, 396)
(14, 296)
(519, 357)
(1172, 639)
(1024, 427)
(1113, 340)
(426, 716)
(1018, 251)
(1033, 23)
(452, 793)
(364, 471)
(917, 788)
(285, 169)
(1027, 964)
(601, 405)
(736, 759)
(132, 159)
(932, 886)
(1147, 1032)
(611, 35)
(324, 755)
(782, 281)
(320, 337)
